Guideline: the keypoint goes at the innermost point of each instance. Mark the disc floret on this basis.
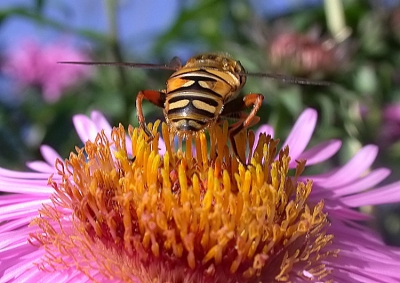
(193, 215)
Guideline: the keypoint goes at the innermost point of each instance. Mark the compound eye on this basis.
(238, 67)
(175, 63)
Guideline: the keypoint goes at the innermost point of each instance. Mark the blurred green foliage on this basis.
(365, 78)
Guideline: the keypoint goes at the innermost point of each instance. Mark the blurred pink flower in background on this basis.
(302, 55)
(390, 131)
(34, 64)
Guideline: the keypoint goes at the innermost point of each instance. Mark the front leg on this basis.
(155, 97)
(235, 107)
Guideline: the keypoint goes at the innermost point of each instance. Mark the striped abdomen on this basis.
(194, 99)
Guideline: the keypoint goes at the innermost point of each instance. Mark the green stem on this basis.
(25, 13)
(336, 20)
(113, 36)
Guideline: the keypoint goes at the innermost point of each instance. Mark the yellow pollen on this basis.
(183, 216)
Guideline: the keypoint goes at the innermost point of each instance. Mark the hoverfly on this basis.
(202, 92)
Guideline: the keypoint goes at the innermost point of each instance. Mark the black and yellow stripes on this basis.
(192, 105)
(191, 111)
(201, 92)
(196, 98)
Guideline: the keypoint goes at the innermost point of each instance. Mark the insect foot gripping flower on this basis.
(119, 211)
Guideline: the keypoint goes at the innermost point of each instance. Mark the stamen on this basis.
(180, 216)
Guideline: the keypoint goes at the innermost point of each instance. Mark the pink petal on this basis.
(85, 128)
(24, 267)
(17, 223)
(346, 231)
(22, 210)
(301, 133)
(101, 122)
(20, 198)
(263, 129)
(41, 166)
(348, 214)
(369, 181)
(321, 152)
(50, 156)
(161, 146)
(21, 181)
(22, 175)
(373, 265)
(350, 171)
(27, 188)
(386, 194)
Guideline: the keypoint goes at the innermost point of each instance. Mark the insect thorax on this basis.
(196, 93)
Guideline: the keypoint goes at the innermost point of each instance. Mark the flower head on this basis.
(302, 55)
(390, 131)
(111, 214)
(32, 64)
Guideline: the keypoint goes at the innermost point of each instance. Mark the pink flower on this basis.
(32, 64)
(302, 55)
(390, 124)
(362, 256)
(344, 189)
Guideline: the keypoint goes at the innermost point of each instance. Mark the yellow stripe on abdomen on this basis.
(204, 106)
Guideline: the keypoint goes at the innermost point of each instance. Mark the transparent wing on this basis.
(176, 64)
(288, 79)
(173, 66)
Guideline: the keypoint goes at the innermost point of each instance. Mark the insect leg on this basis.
(155, 97)
(235, 107)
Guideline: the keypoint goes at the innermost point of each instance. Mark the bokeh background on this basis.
(355, 45)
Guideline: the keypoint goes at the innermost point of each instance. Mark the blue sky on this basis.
(139, 21)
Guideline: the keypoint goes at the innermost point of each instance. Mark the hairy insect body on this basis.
(196, 94)
(202, 92)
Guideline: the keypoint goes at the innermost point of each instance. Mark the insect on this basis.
(203, 91)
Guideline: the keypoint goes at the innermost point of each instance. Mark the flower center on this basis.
(184, 216)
